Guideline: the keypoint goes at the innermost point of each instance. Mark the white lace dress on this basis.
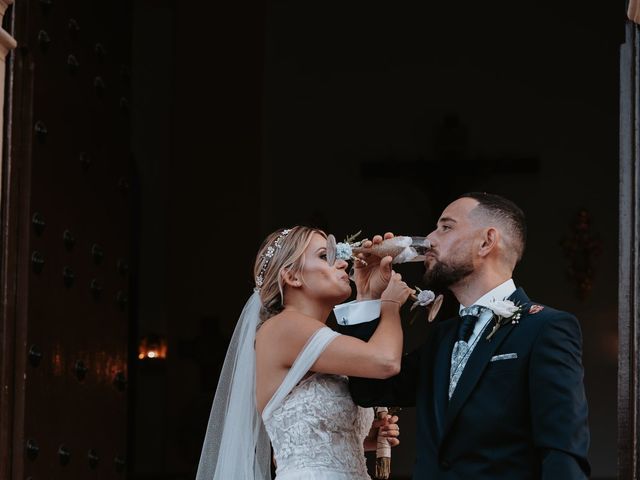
(315, 428)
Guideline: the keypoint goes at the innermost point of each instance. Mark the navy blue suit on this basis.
(520, 418)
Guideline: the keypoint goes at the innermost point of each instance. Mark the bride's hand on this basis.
(388, 428)
(371, 279)
(397, 291)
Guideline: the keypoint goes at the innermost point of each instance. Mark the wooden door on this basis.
(67, 203)
(629, 266)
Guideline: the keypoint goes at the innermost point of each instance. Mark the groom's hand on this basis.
(371, 279)
(387, 428)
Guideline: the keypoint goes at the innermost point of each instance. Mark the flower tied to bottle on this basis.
(342, 250)
(429, 300)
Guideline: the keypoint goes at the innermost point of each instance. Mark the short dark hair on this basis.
(507, 213)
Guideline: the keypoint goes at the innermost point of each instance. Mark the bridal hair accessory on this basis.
(268, 255)
(403, 249)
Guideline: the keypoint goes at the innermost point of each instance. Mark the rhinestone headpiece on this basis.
(268, 255)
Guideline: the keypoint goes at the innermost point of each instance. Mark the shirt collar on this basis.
(502, 291)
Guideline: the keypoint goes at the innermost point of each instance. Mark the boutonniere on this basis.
(428, 299)
(506, 311)
(535, 309)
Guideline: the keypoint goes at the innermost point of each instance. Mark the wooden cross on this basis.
(452, 171)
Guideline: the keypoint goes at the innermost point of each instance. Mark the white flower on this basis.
(425, 297)
(343, 251)
(504, 308)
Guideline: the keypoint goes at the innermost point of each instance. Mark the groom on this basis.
(503, 402)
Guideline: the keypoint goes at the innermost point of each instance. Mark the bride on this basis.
(284, 380)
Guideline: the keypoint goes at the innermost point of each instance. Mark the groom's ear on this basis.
(490, 239)
(290, 278)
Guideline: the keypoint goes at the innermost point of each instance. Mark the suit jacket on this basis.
(521, 416)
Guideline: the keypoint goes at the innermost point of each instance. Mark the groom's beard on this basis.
(440, 276)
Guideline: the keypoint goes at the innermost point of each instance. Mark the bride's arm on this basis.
(380, 357)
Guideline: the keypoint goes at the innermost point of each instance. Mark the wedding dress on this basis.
(315, 428)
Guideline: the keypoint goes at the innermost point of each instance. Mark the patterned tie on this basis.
(469, 316)
(461, 350)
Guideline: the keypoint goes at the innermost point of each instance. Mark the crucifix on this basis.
(452, 170)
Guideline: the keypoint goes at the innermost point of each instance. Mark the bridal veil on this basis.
(236, 445)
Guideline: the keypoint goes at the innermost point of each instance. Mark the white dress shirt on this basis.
(462, 350)
(501, 292)
(353, 313)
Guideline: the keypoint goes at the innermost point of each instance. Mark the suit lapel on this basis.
(441, 376)
(520, 298)
(478, 361)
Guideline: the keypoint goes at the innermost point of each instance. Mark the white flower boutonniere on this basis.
(506, 311)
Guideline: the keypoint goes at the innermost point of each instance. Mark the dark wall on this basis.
(198, 133)
(362, 116)
(153, 68)
(366, 99)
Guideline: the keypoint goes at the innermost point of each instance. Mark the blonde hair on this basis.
(281, 251)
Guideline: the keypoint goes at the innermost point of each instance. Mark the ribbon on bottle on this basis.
(383, 449)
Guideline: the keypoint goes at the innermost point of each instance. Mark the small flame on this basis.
(152, 347)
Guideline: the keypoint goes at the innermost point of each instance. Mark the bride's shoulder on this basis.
(293, 321)
(288, 328)
(282, 337)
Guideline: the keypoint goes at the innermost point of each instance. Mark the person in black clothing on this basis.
(498, 389)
